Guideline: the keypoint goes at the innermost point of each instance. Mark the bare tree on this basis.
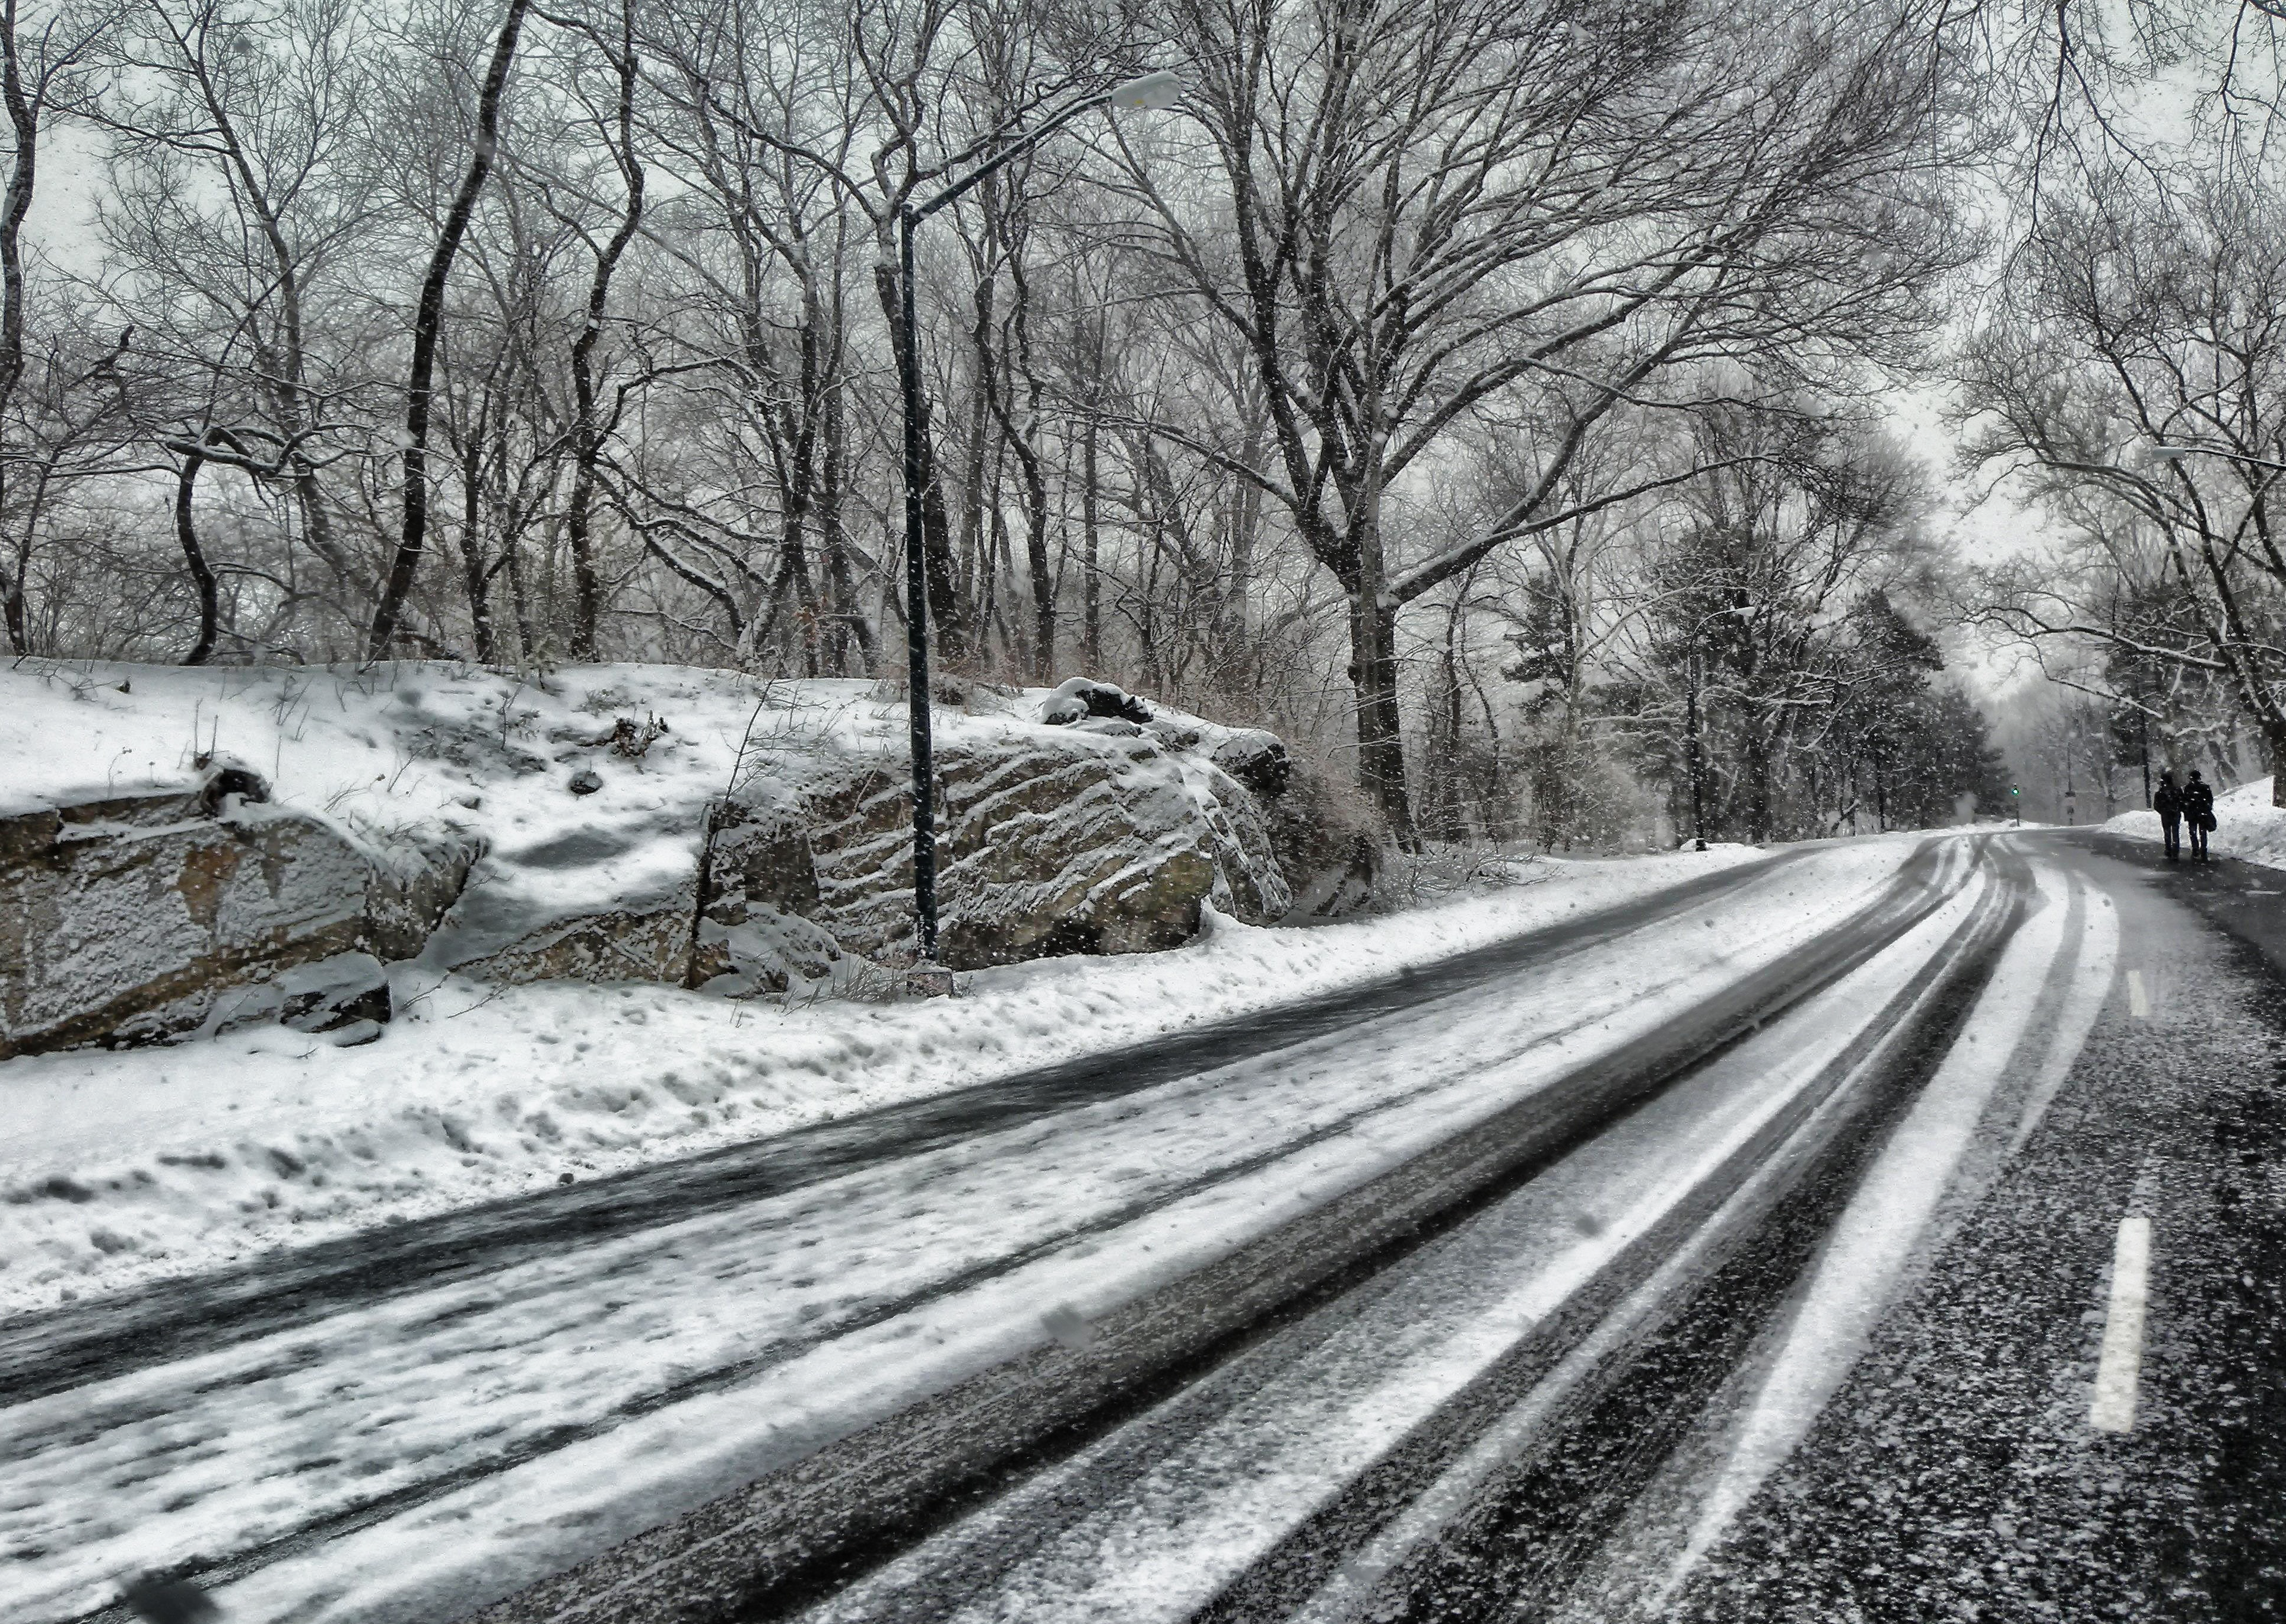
(2135, 318)
(1427, 209)
(44, 60)
(427, 322)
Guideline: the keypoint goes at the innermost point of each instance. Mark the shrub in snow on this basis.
(634, 741)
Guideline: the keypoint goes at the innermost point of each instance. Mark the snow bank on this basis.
(120, 1168)
(2246, 826)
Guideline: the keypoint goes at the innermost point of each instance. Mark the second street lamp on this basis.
(1154, 93)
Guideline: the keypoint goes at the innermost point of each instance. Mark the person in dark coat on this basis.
(2167, 801)
(2198, 812)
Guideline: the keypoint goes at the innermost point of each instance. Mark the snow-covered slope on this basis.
(2246, 826)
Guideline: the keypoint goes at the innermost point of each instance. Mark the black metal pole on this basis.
(908, 365)
(2143, 732)
(1697, 804)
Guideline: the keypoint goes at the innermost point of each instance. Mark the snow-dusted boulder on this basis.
(1071, 841)
(611, 901)
(1257, 759)
(347, 995)
(127, 919)
(757, 888)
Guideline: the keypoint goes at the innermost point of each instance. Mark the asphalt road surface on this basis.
(1812, 1244)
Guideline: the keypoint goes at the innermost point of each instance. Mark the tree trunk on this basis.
(11, 604)
(428, 318)
(475, 577)
(194, 556)
(1381, 749)
(14, 206)
(588, 434)
(519, 598)
(1372, 651)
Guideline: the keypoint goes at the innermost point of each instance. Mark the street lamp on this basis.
(2149, 453)
(1153, 92)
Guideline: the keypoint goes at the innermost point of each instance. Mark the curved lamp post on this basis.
(1154, 93)
(2163, 453)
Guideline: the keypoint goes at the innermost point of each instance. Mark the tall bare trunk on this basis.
(587, 433)
(429, 317)
(24, 122)
(203, 576)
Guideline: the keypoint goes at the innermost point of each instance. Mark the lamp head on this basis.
(1152, 94)
(2155, 454)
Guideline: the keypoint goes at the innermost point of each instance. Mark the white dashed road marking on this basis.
(2113, 1409)
(2138, 1002)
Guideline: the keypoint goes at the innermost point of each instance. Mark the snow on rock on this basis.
(2247, 826)
(130, 916)
(171, 840)
(1079, 698)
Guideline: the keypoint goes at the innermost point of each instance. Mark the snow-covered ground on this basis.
(2246, 826)
(383, 747)
(825, 1307)
(119, 1167)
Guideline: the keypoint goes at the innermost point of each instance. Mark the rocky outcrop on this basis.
(347, 995)
(1080, 698)
(600, 904)
(1328, 844)
(130, 919)
(757, 890)
(1108, 843)
(1255, 759)
(618, 857)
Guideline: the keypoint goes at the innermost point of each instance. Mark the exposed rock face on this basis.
(1258, 760)
(130, 918)
(647, 940)
(1110, 846)
(1080, 698)
(593, 904)
(414, 881)
(125, 920)
(758, 889)
(1328, 845)
(347, 995)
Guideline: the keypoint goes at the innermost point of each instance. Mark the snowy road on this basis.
(1307, 1320)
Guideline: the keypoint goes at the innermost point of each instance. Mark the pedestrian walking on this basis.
(2167, 801)
(2198, 812)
